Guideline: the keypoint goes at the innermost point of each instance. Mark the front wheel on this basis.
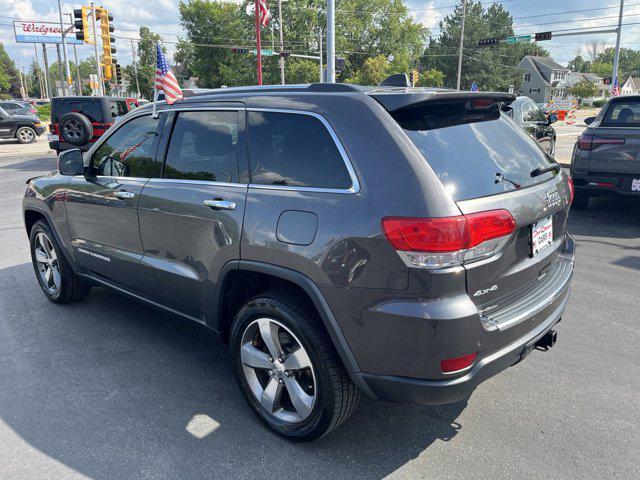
(287, 368)
(26, 135)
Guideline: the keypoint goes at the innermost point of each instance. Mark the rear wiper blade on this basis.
(540, 170)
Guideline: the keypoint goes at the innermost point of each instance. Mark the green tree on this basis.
(431, 78)
(373, 71)
(603, 69)
(34, 75)
(582, 90)
(492, 68)
(146, 63)
(9, 78)
(579, 64)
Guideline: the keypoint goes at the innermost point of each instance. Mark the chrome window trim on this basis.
(355, 184)
(198, 182)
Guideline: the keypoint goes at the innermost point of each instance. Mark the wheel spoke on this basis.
(299, 398)
(254, 358)
(297, 360)
(41, 257)
(271, 394)
(269, 333)
(55, 277)
(48, 273)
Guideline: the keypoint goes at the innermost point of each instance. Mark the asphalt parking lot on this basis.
(109, 388)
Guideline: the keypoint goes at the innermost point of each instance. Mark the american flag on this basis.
(264, 12)
(165, 81)
(615, 89)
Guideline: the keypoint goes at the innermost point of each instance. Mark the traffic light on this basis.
(488, 42)
(106, 29)
(285, 54)
(413, 77)
(118, 74)
(607, 81)
(543, 36)
(107, 71)
(82, 24)
(340, 62)
(240, 50)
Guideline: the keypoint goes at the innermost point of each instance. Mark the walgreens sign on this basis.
(41, 32)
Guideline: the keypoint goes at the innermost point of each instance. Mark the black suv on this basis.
(77, 122)
(24, 128)
(606, 159)
(401, 243)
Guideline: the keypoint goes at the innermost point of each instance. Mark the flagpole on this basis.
(259, 50)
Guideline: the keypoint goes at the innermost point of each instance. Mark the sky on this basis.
(162, 16)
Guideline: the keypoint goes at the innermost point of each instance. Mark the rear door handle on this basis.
(220, 204)
(124, 195)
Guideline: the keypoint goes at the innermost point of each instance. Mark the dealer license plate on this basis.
(541, 235)
(52, 138)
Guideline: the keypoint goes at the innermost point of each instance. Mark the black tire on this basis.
(580, 201)
(75, 129)
(26, 135)
(71, 289)
(336, 397)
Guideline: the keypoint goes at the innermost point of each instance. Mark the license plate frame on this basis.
(541, 235)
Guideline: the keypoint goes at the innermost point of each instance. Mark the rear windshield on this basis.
(475, 154)
(623, 113)
(91, 108)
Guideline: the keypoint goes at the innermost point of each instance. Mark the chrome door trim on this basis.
(355, 184)
(198, 182)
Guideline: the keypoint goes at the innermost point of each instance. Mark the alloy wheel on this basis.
(72, 129)
(278, 370)
(47, 263)
(26, 135)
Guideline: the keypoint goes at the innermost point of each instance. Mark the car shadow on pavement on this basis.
(115, 389)
(615, 217)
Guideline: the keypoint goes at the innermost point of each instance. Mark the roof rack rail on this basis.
(333, 87)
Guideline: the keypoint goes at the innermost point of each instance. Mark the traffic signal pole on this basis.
(95, 45)
(464, 14)
(67, 87)
(259, 49)
(616, 56)
(331, 41)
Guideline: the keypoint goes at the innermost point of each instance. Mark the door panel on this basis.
(186, 243)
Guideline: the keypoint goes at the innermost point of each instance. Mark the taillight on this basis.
(448, 241)
(591, 142)
(572, 190)
(451, 365)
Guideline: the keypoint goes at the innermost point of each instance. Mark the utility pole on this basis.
(67, 86)
(331, 41)
(95, 45)
(616, 56)
(135, 68)
(464, 14)
(258, 43)
(63, 90)
(38, 73)
(321, 65)
(23, 90)
(47, 79)
(281, 61)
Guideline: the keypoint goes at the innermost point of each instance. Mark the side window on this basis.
(130, 150)
(118, 108)
(294, 150)
(527, 112)
(537, 114)
(204, 146)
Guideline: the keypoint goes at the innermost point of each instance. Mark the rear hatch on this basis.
(614, 145)
(488, 163)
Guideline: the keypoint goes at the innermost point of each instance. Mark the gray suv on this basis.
(401, 243)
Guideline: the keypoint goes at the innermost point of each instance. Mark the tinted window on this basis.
(623, 114)
(297, 150)
(118, 108)
(91, 108)
(8, 106)
(536, 114)
(204, 146)
(130, 150)
(467, 155)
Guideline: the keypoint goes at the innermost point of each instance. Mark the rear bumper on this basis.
(606, 184)
(414, 346)
(436, 392)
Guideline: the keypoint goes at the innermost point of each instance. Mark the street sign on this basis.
(264, 52)
(40, 32)
(519, 39)
(543, 36)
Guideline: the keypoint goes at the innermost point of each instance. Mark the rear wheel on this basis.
(26, 135)
(287, 368)
(55, 276)
(580, 200)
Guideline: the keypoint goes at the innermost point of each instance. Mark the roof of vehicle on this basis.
(86, 97)
(392, 98)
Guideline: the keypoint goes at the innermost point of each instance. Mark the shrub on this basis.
(44, 112)
(598, 103)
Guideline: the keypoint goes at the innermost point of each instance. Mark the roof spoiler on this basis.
(403, 98)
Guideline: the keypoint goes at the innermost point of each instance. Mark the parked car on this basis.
(13, 107)
(77, 122)
(606, 159)
(24, 128)
(535, 122)
(405, 244)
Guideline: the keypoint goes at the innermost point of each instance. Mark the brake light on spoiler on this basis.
(433, 243)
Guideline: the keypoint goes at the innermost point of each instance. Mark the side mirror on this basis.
(71, 162)
(589, 120)
(553, 118)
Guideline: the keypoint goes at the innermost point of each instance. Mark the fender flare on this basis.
(310, 288)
